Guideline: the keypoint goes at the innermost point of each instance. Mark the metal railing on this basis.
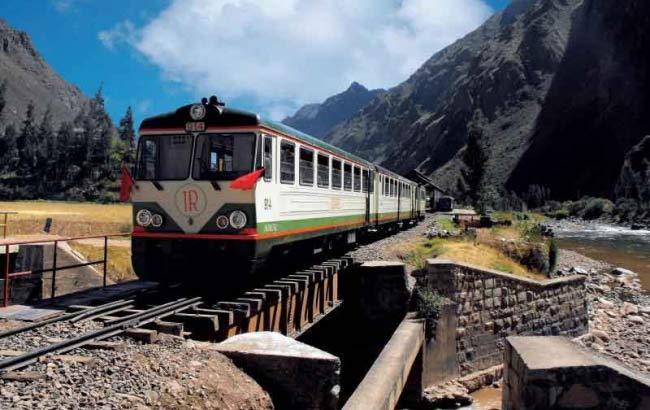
(5, 224)
(8, 276)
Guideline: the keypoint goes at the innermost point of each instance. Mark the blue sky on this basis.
(265, 55)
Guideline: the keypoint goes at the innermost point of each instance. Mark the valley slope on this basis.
(558, 90)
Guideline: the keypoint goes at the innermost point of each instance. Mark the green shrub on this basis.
(597, 207)
(551, 206)
(558, 214)
(428, 305)
(626, 209)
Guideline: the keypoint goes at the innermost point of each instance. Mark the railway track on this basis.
(289, 305)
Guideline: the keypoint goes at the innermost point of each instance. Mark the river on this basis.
(615, 245)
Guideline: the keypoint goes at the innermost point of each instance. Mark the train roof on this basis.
(221, 116)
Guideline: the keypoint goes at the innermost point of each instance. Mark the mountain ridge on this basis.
(317, 119)
(502, 80)
(30, 78)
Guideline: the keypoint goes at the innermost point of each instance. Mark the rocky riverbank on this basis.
(619, 310)
(619, 316)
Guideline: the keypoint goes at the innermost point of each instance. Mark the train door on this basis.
(368, 181)
(412, 189)
(266, 194)
(399, 198)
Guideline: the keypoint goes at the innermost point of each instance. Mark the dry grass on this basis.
(462, 251)
(119, 259)
(68, 218)
(486, 256)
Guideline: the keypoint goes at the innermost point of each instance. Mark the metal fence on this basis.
(8, 276)
(5, 224)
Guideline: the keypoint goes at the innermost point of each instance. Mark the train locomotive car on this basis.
(217, 189)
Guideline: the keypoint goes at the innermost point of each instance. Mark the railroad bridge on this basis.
(380, 354)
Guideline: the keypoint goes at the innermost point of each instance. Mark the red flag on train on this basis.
(247, 181)
(126, 185)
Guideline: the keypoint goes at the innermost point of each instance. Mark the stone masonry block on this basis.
(296, 375)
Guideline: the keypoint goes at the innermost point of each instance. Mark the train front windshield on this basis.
(164, 157)
(216, 157)
(223, 156)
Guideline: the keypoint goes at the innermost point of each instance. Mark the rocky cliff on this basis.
(634, 181)
(318, 119)
(30, 78)
(557, 89)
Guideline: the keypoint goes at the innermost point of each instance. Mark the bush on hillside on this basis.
(558, 214)
(596, 208)
(626, 209)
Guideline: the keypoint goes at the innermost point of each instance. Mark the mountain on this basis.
(319, 119)
(557, 90)
(30, 78)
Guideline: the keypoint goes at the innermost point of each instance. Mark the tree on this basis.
(126, 134)
(49, 150)
(10, 155)
(27, 142)
(3, 98)
(474, 158)
(100, 132)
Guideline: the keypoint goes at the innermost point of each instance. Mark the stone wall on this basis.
(568, 378)
(492, 305)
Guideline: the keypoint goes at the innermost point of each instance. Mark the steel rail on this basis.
(143, 318)
(67, 316)
(94, 316)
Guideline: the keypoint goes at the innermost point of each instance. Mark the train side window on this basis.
(366, 180)
(306, 167)
(268, 158)
(323, 171)
(287, 162)
(347, 177)
(386, 187)
(357, 179)
(336, 174)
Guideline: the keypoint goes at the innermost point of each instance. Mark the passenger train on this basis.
(216, 189)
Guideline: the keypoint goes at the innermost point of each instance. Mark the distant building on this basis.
(434, 192)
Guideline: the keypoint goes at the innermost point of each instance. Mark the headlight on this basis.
(237, 219)
(156, 220)
(143, 217)
(222, 222)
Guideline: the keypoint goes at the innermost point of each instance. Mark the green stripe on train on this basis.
(280, 226)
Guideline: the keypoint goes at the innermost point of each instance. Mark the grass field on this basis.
(119, 259)
(68, 218)
(73, 219)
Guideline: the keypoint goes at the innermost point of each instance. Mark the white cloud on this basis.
(143, 107)
(124, 32)
(62, 5)
(283, 53)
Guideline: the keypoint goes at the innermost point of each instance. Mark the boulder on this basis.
(629, 309)
(296, 375)
(636, 319)
(579, 270)
(623, 272)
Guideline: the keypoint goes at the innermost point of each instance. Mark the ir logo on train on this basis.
(190, 200)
